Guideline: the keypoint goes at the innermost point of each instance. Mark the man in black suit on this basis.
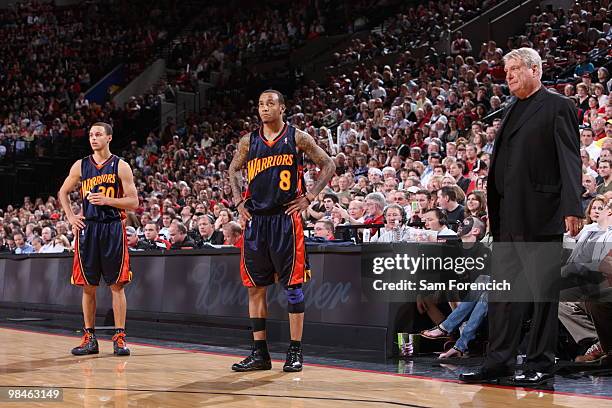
(533, 196)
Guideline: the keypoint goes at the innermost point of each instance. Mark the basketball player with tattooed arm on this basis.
(100, 249)
(273, 237)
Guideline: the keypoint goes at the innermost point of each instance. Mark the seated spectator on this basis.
(324, 229)
(61, 241)
(395, 229)
(166, 220)
(152, 238)
(605, 172)
(179, 237)
(592, 213)
(225, 216)
(435, 220)
(135, 244)
(232, 234)
(187, 217)
(49, 247)
(207, 233)
(37, 244)
(355, 214)
(475, 306)
(329, 201)
(447, 200)
(593, 254)
(375, 204)
(589, 192)
(21, 246)
(476, 205)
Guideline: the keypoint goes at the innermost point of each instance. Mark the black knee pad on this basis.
(295, 299)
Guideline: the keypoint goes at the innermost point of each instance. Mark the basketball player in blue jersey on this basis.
(107, 189)
(273, 246)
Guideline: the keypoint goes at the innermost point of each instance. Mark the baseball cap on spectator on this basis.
(54, 216)
(440, 98)
(130, 230)
(468, 224)
(413, 189)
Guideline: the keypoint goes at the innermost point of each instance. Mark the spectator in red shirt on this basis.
(232, 232)
(324, 229)
(151, 236)
(375, 204)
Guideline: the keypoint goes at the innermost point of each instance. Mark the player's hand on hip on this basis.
(77, 222)
(97, 199)
(573, 225)
(244, 212)
(299, 204)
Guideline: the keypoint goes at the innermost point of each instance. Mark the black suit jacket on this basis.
(542, 176)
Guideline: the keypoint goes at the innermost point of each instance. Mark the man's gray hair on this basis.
(527, 56)
(378, 198)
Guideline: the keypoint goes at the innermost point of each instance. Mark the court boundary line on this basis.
(413, 376)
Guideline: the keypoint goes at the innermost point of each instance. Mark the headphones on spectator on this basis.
(397, 206)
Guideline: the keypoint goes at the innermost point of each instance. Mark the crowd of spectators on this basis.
(426, 25)
(225, 44)
(51, 55)
(411, 134)
(412, 143)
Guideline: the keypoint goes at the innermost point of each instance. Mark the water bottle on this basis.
(366, 235)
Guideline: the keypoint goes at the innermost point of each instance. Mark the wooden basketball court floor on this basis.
(155, 376)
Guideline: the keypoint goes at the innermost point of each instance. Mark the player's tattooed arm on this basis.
(235, 173)
(306, 144)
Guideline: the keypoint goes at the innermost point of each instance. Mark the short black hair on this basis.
(108, 129)
(449, 192)
(332, 197)
(281, 98)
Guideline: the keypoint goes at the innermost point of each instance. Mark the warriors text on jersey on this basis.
(100, 178)
(274, 171)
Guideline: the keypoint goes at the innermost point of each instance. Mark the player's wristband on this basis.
(307, 199)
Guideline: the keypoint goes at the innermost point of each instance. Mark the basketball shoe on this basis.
(258, 360)
(119, 345)
(89, 345)
(294, 360)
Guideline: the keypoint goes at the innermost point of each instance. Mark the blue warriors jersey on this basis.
(100, 178)
(274, 171)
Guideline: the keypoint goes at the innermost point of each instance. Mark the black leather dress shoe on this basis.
(531, 377)
(484, 375)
